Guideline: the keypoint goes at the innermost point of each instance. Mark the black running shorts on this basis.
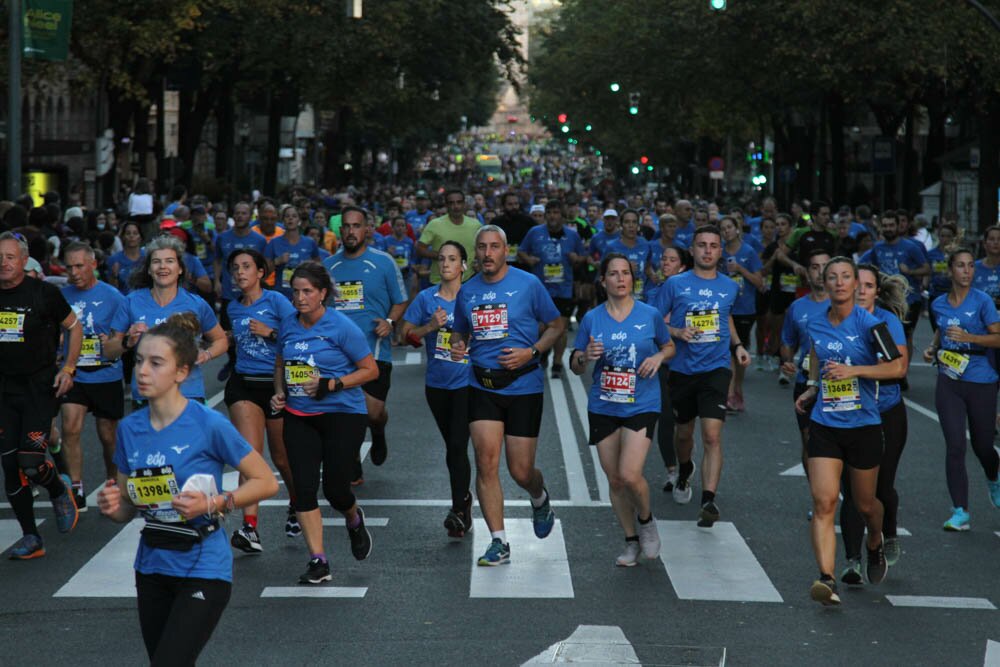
(701, 395)
(105, 399)
(859, 447)
(601, 426)
(521, 414)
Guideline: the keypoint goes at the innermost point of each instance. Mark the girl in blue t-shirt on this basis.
(254, 318)
(170, 458)
(431, 316)
(322, 362)
(968, 330)
(884, 297)
(673, 260)
(121, 264)
(845, 426)
(628, 341)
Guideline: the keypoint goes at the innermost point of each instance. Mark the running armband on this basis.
(884, 344)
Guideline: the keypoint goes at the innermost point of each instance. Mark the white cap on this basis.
(612, 213)
(33, 265)
(537, 208)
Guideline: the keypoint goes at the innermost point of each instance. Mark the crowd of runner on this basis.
(662, 300)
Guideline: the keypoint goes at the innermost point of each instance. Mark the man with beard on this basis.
(370, 291)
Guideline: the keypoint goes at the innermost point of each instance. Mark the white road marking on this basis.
(580, 403)
(313, 592)
(992, 658)
(795, 471)
(537, 568)
(371, 522)
(572, 460)
(413, 359)
(921, 409)
(437, 502)
(713, 563)
(366, 447)
(900, 532)
(939, 602)
(10, 532)
(215, 400)
(595, 644)
(109, 573)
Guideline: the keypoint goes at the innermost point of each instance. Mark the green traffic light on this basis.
(633, 110)
(565, 129)
(635, 171)
(597, 152)
(615, 87)
(589, 127)
(717, 5)
(649, 167)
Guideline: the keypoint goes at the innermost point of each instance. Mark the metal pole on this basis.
(14, 100)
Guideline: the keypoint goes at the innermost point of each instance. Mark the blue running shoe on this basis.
(67, 513)
(995, 492)
(26, 548)
(959, 520)
(497, 553)
(543, 518)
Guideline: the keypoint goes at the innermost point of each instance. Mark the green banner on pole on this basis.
(46, 29)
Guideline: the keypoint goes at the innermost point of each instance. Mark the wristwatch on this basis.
(535, 353)
(338, 384)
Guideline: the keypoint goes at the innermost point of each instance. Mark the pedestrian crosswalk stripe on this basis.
(712, 563)
(900, 532)
(939, 602)
(314, 592)
(370, 521)
(10, 532)
(795, 471)
(109, 573)
(992, 658)
(595, 644)
(537, 568)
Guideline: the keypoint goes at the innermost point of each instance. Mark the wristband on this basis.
(323, 388)
(230, 503)
(68, 370)
(732, 348)
(812, 383)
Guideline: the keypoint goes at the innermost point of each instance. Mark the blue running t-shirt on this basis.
(975, 314)
(96, 309)
(256, 355)
(688, 301)
(442, 372)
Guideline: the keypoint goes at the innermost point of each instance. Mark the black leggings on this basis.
(177, 615)
(331, 439)
(665, 438)
(450, 408)
(26, 410)
(958, 403)
(852, 524)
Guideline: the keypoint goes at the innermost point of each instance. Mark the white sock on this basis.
(540, 500)
(499, 535)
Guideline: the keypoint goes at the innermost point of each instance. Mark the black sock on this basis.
(684, 471)
(646, 520)
(633, 538)
(707, 496)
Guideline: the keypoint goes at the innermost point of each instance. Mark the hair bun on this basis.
(187, 321)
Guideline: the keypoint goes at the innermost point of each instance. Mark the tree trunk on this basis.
(225, 156)
(908, 197)
(838, 167)
(194, 108)
(936, 144)
(141, 142)
(989, 164)
(270, 184)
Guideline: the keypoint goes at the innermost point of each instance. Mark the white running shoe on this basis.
(630, 556)
(649, 539)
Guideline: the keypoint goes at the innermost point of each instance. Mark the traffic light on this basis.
(649, 167)
(565, 129)
(615, 87)
(589, 127)
(633, 103)
(717, 5)
(635, 170)
(644, 160)
(562, 117)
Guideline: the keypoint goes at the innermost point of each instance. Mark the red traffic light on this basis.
(644, 160)
(562, 117)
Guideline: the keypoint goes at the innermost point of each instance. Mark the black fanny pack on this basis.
(499, 378)
(175, 536)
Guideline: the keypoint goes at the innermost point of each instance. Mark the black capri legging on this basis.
(665, 437)
(178, 614)
(331, 439)
(450, 408)
(852, 525)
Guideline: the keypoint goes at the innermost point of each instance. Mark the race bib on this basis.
(841, 395)
(953, 363)
(789, 282)
(11, 327)
(286, 276)
(618, 384)
(489, 321)
(401, 261)
(351, 295)
(738, 279)
(296, 375)
(90, 352)
(152, 490)
(553, 273)
(707, 324)
(941, 267)
(512, 252)
(442, 348)
(200, 249)
(637, 286)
